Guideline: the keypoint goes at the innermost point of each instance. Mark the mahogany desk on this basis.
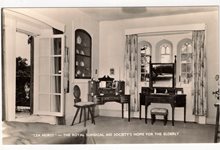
(175, 100)
(122, 99)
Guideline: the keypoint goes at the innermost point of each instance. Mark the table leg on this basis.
(122, 109)
(216, 125)
(172, 115)
(146, 113)
(129, 111)
(140, 112)
(184, 114)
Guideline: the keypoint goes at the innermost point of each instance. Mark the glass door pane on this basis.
(50, 86)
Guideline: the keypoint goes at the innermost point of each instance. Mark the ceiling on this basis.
(117, 13)
(20, 17)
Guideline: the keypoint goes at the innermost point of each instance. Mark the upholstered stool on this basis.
(159, 111)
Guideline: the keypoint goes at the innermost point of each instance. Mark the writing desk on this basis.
(122, 99)
(109, 93)
(175, 100)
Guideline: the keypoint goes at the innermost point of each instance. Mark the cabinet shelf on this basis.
(83, 46)
(82, 55)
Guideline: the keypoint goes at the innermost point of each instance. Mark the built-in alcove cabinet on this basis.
(83, 53)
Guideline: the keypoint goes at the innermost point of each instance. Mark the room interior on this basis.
(110, 54)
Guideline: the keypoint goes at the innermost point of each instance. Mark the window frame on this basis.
(158, 50)
(179, 54)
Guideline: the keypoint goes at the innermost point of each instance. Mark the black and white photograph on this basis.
(110, 75)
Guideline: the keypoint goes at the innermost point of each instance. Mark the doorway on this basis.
(24, 75)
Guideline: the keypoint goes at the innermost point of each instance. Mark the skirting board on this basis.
(117, 113)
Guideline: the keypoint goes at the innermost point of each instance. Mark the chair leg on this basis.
(75, 116)
(92, 115)
(80, 115)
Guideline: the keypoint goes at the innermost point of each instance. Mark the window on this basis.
(185, 51)
(165, 53)
(145, 48)
(164, 48)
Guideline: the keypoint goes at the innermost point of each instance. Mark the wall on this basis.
(112, 44)
(83, 21)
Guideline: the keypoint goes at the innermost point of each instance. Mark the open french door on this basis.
(48, 75)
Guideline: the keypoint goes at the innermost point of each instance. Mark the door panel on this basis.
(49, 90)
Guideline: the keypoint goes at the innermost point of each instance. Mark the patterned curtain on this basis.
(131, 70)
(200, 76)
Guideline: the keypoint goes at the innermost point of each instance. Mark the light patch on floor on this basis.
(25, 116)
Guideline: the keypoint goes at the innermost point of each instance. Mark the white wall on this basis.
(112, 45)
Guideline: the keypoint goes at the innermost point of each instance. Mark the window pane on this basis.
(184, 77)
(56, 65)
(148, 50)
(55, 84)
(55, 103)
(186, 62)
(183, 49)
(184, 57)
(165, 58)
(56, 46)
(189, 66)
(143, 60)
(189, 48)
(183, 68)
(168, 51)
(162, 50)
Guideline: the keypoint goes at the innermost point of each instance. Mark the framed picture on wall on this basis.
(83, 53)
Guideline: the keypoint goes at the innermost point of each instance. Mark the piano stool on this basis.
(159, 111)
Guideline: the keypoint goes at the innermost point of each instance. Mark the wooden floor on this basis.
(112, 130)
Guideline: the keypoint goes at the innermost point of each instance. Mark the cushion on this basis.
(159, 111)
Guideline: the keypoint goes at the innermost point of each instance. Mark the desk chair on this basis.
(82, 106)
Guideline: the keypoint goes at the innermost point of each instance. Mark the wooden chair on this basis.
(82, 106)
